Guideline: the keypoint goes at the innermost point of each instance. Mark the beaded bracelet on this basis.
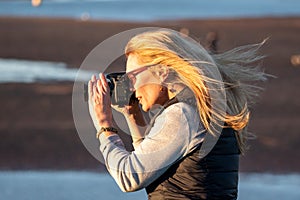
(106, 129)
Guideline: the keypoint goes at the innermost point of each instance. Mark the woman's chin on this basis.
(145, 108)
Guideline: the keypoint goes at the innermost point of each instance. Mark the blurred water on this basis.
(61, 185)
(36, 185)
(145, 10)
(261, 186)
(25, 71)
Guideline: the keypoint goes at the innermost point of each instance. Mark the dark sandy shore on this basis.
(36, 124)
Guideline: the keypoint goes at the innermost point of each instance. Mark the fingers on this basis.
(93, 78)
(95, 94)
(95, 87)
(123, 110)
(102, 78)
(104, 83)
(101, 84)
(98, 88)
(90, 89)
(91, 86)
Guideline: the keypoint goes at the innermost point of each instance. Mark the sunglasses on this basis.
(132, 74)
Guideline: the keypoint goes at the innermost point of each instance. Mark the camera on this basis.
(119, 86)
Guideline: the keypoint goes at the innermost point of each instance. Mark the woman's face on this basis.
(148, 89)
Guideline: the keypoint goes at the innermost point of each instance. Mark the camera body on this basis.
(120, 92)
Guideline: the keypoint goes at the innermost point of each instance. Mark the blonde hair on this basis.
(193, 66)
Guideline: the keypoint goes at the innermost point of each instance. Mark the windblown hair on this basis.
(196, 69)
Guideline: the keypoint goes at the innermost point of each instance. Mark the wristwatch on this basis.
(106, 129)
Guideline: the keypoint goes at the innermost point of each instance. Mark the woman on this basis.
(197, 99)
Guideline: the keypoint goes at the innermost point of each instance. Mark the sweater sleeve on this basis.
(167, 142)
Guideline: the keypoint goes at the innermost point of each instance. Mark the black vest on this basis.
(213, 177)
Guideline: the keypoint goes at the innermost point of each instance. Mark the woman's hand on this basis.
(132, 112)
(135, 120)
(99, 102)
